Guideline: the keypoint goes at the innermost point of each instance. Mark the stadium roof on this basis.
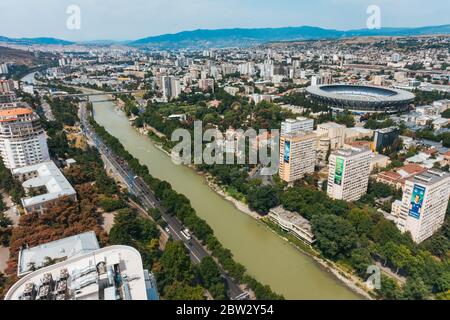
(360, 93)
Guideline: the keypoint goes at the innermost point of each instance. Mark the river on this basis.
(267, 257)
(29, 78)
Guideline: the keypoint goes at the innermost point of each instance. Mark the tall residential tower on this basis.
(348, 176)
(297, 155)
(424, 204)
(22, 139)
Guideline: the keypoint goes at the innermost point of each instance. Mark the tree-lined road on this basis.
(141, 190)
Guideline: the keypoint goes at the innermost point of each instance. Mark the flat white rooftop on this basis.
(57, 250)
(48, 176)
(114, 272)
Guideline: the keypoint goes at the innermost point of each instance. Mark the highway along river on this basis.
(266, 256)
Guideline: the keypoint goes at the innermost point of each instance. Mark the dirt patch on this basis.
(4, 256)
(108, 221)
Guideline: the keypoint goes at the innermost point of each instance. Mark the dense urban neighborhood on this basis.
(358, 129)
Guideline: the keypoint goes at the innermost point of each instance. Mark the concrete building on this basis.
(299, 124)
(4, 68)
(348, 175)
(385, 138)
(424, 204)
(231, 90)
(170, 87)
(330, 136)
(110, 273)
(6, 86)
(7, 97)
(206, 84)
(32, 259)
(297, 155)
(22, 140)
(396, 177)
(43, 176)
(293, 223)
(334, 132)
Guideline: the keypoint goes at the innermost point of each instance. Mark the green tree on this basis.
(211, 278)
(361, 220)
(263, 199)
(182, 291)
(176, 264)
(415, 289)
(360, 259)
(389, 289)
(336, 237)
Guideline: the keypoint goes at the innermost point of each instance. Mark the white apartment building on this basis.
(299, 124)
(206, 84)
(334, 132)
(294, 223)
(297, 155)
(171, 87)
(88, 276)
(348, 176)
(330, 136)
(424, 204)
(45, 176)
(22, 140)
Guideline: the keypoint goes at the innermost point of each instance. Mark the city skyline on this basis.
(157, 17)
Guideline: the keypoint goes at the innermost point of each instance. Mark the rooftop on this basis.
(56, 250)
(387, 130)
(360, 93)
(292, 217)
(48, 175)
(110, 273)
(430, 177)
(10, 114)
(330, 125)
(350, 152)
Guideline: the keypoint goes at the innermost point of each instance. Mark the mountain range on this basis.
(239, 37)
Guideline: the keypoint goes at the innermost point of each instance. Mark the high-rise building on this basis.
(171, 87)
(22, 139)
(7, 97)
(385, 138)
(299, 124)
(6, 86)
(206, 84)
(348, 175)
(334, 132)
(4, 68)
(297, 155)
(84, 272)
(424, 204)
(331, 136)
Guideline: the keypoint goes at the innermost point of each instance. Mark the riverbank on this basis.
(351, 281)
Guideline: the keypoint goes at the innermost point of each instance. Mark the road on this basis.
(140, 189)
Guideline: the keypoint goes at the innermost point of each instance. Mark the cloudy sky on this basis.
(133, 19)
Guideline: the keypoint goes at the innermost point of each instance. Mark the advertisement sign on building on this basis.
(339, 171)
(287, 151)
(416, 201)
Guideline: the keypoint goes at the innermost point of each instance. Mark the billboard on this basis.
(287, 151)
(339, 171)
(416, 201)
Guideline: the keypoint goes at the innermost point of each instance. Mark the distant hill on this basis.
(249, 37)
(239, 37)
(35, 41)
(25, 58)
(16, 56)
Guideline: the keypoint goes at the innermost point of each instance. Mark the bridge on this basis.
(114, 94)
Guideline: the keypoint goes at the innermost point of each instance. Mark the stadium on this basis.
(360, 99)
